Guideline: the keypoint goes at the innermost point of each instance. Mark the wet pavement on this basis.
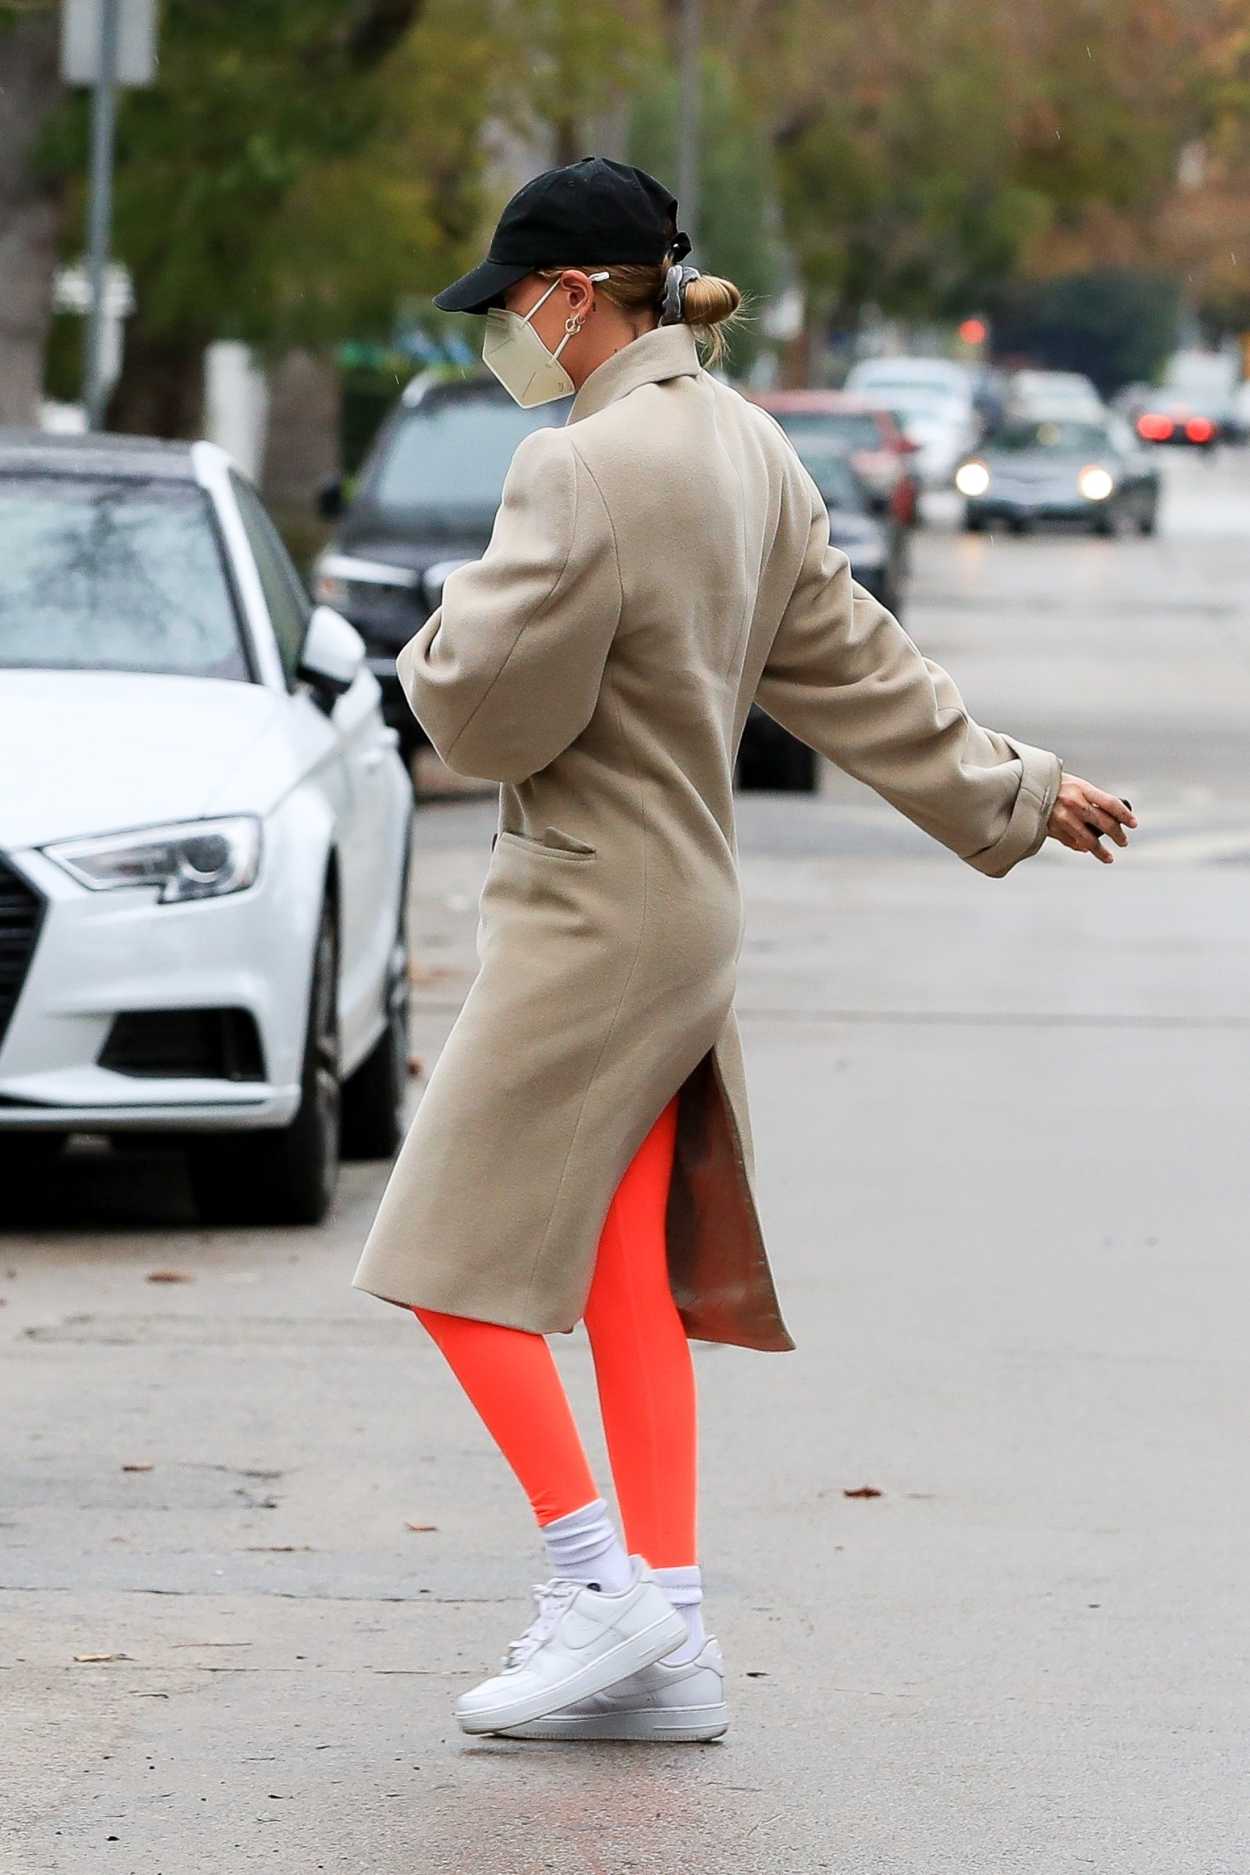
(1000, 1131)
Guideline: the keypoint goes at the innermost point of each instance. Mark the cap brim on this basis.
(474, 291)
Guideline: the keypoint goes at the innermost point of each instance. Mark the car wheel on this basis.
(1148, 522)
(1020, 524)
(373, 1099)
(973, 523)
(284, 1175)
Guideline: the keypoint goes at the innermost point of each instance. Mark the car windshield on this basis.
(447, 456)
(848, 429)
(828, 467)
(115, 574)
(1077, 439)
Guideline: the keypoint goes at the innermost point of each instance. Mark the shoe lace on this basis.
(552, 1598)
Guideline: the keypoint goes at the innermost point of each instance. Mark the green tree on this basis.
(1115, 325)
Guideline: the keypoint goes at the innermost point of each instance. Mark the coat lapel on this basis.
(664, 352)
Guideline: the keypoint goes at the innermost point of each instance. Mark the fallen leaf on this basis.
(420, 1526)
(862, 1490)
(140, 1464)
(97, 1657)
(169, 1276)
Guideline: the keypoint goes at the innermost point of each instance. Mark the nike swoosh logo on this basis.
(577, 1632)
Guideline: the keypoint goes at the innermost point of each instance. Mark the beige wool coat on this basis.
(657, 563)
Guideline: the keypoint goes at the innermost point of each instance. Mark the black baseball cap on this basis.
(594, 208)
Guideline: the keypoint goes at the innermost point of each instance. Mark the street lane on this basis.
(1000, 1132)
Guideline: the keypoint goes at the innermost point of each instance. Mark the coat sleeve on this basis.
(844, 677)
(506, 673)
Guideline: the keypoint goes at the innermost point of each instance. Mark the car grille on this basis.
(21, 909)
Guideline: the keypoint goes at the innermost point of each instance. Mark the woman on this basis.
(583, 1148)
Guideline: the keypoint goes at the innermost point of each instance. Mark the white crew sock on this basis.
(585, 1547)
(684, 1588)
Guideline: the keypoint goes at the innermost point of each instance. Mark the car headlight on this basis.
(192, 859)
(341, 580)
(972, 478)
(1095, 483)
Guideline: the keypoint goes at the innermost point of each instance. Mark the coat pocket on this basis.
(554, 845)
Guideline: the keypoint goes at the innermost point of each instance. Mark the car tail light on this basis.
(1154, 429)
(1200, 429)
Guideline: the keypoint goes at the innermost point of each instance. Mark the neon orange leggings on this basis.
(643, 1369)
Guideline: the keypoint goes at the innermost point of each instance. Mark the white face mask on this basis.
(514, 352)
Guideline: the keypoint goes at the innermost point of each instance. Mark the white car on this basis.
(933, 401)
(939, 377)
(204, 830)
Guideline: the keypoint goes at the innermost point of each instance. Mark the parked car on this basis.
(933, 400)
(1033, 395)
(943, 429)
(769, 757)
(424, 503)
(865, 431)
(1060, 470)
(942, 377)
(203, 839)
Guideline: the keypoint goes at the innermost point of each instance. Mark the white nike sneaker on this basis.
(580, 1641)
(672, 1704)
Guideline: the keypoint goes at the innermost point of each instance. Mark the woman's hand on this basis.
(1082, 812)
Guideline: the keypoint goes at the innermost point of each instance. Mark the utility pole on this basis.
(104, 44)
(100, 210)
(688, 127)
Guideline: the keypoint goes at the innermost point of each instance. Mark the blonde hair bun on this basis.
(710, 299)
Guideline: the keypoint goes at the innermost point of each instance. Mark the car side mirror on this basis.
(330, 499)
(332, 656)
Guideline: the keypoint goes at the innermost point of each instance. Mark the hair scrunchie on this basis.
(676, 280)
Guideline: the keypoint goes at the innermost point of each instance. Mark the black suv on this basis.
(426, 502)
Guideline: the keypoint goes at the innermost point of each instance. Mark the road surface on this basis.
(1001, 1132)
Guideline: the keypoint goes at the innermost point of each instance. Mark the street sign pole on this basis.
(100, 208)
(688, 126)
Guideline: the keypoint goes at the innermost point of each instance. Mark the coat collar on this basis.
(664, 352)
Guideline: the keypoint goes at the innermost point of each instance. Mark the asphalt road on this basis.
(1001, 1134)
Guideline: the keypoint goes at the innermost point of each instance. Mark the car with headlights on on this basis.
(1060, 469)
(424, 502)
(204, 834)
